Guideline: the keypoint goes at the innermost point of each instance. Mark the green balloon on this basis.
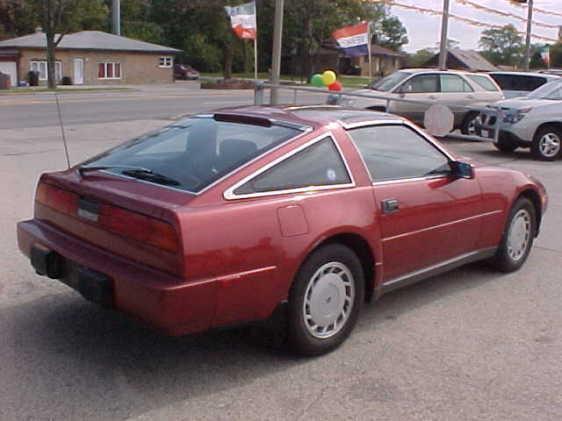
(317, 80)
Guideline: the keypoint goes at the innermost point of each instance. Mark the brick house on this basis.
(89, 58)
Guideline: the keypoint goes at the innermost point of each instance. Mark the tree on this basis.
(59, 17)
(556, 55)
(392, 33)
(420, 58)
(502, 45)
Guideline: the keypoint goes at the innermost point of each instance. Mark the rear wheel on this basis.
(547, 143)
(325, 300)
(518, 237)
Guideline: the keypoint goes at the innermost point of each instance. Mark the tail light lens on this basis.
(117, 220)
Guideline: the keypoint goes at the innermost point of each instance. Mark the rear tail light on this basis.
(117, 220)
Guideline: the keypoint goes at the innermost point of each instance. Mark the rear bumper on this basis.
(163, 301)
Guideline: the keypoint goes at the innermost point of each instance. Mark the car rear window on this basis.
(484, 82)
(196, 151)
(524, 83)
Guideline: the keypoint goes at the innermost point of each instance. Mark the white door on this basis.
(10, 68)
(78, 71)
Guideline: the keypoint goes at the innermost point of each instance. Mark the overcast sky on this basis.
(423, 29)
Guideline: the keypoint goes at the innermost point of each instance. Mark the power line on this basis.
(469, 21)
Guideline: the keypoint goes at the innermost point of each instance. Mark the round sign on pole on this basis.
(439, 120)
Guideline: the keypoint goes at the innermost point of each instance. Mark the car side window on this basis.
(454, 83)
(395, 152)
(421, 84)
(320, 164)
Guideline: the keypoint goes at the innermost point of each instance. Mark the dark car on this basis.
(185, 72)
(300, 212)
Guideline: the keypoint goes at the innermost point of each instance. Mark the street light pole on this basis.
(444, 30)
(527, 61)
(276, 58)
(116, 16)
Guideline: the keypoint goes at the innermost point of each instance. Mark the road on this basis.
(472, 344)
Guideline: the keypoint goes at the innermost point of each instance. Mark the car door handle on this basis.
(390, 206)
(470, 96)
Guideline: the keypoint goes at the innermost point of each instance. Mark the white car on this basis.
(456, 89)
(533, 121)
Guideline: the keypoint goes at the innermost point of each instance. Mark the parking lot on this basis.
(470, 344)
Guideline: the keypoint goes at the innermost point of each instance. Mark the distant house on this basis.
(328, 56)
(458, 59)
(89, 57)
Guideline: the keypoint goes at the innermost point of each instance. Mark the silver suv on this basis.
(533, 121)
(458, 90)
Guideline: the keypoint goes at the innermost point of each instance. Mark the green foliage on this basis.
(502, 45)
(556, 55)
(392, 33)
(420, 57)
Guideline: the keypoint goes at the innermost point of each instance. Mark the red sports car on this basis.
(305, 212)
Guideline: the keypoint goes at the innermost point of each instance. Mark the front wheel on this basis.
(546, 144)
(469, 124)
(518, 237)
(325, 300)
(505, 145)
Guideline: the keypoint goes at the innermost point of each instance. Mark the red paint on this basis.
(234, 261)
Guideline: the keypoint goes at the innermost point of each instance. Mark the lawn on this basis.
(60, 89)
(351, 82)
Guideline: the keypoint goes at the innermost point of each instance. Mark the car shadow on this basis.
(92, 363)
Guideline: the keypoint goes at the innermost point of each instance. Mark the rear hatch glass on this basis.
(192, 153)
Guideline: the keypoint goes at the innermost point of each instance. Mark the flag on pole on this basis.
(545, 55)
(243, 20)
(353, 39)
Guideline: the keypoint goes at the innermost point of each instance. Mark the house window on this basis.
(109, 70)
(41, 67)
(165, 61)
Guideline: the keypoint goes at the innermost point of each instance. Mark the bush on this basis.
(66, 80)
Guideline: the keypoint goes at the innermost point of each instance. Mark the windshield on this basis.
(192, 153)
(389, 82)
(549, 90)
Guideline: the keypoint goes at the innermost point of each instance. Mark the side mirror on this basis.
(461, 169)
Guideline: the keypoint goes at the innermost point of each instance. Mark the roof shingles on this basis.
(89, 40)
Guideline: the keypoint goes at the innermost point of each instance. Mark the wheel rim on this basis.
(519, 235)
(328, 300)
(549, 145)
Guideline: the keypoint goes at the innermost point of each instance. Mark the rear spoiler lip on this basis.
(257, 121)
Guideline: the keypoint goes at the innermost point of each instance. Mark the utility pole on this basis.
(116, 16)
(527, 61)
(277, 42)
(444, 31)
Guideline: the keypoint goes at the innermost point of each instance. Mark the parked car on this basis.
(185, 72)
(533, 121)
(456, 89)
(516, 84)
(300, 213)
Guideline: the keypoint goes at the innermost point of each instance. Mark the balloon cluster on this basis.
(328, 78)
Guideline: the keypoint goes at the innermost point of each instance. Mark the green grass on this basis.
(350, 82)
(60, 89)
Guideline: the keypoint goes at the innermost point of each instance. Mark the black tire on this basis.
(504, 259)
(467, 128)
(544, 152)
(506, 145)
(300, 338)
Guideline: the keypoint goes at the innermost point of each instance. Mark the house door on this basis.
(78, 71)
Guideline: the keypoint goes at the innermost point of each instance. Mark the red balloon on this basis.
(336, 86)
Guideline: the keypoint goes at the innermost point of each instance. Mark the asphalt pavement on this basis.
(472, 344)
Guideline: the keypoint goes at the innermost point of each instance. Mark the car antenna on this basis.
(61, 124)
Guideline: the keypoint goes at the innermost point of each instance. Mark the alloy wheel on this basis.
(549, 145)
(519, 235)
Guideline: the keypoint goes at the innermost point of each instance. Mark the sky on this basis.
(424, 30)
